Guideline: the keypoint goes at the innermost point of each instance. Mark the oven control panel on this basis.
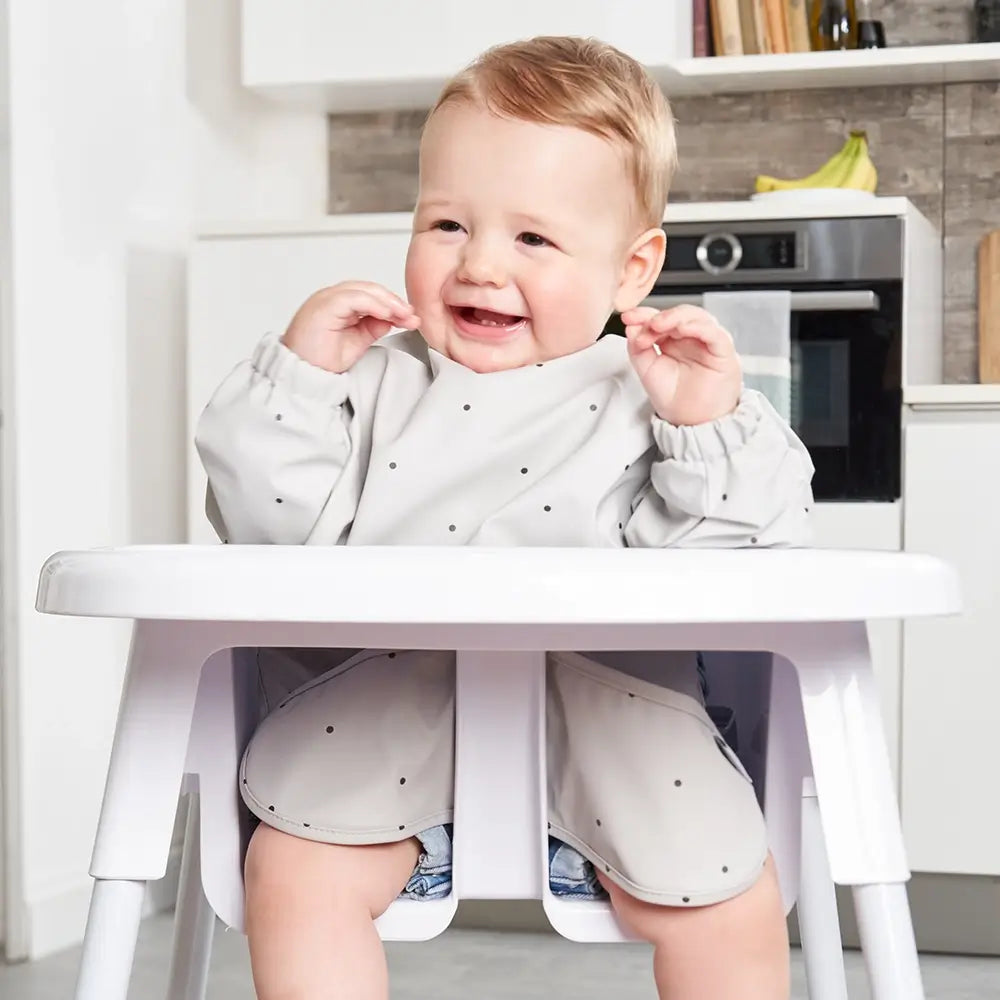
(723, 252)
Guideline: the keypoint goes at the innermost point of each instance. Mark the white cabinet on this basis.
(951, 667)
(383, 53)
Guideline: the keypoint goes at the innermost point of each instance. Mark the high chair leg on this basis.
(819, 924)
(856, 796)
(886, 932)
(149, 749)
(109, 943)
(194, 920)
(140, 798)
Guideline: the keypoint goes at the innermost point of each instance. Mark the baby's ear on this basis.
(643, 263)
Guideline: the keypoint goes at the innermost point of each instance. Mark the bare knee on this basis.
(758, 910)
(281, 869)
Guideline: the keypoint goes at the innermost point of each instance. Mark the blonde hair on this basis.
(586, 84)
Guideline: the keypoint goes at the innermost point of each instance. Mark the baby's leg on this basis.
(737, 948)
(310, 915)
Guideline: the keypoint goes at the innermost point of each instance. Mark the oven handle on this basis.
(845, 301)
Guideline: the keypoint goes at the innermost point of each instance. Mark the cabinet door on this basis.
(383, 52)
(871, 526)
(951, 666)
(241, 288)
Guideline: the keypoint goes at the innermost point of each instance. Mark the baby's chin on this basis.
(485, 359)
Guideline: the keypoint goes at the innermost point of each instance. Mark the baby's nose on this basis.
(481, 266)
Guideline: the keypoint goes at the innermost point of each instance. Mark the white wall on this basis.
(127, 130)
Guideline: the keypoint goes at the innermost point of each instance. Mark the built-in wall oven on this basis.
(845, 276)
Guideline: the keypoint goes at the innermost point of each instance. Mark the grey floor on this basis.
(473, 965)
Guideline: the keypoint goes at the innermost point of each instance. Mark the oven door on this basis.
(846, 397)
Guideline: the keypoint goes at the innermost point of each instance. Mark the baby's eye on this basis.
(533, 240)
(447, 226)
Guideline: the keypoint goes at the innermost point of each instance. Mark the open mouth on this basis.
(486, 322)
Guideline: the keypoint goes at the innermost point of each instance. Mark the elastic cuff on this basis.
(275, 362)
(703, 442)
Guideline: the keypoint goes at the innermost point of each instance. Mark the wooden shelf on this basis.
(926, 64)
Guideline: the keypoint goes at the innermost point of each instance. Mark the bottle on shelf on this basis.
(871, 34)
(833, 24)
(986, 14)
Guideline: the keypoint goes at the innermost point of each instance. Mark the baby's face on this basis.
(520, 238)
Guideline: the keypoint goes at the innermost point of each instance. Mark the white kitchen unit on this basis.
(951, 667)
(387, 54)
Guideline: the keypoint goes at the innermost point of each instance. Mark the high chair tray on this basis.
(464, 586)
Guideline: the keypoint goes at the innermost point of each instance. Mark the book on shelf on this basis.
(727, 32)
(797, 19)
(777, 25)
(701, 43)
(750, 27)
(764, 46)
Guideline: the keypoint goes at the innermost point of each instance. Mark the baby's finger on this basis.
(714, 338)
(638, 315)
(374, 328)
(717, 340)
(655, 323)
(351, 304)
(380, 291)
(348, 294)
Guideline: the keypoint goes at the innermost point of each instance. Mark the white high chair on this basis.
(186, 715)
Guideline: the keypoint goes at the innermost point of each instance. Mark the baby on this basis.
(500, 418)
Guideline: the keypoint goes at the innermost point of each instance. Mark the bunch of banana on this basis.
(852, 168)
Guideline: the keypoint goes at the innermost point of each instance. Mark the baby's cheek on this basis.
(424, 273)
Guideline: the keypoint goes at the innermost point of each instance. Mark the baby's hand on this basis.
(694, 376)
(336, 325)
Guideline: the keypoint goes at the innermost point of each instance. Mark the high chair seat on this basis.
(187, 712)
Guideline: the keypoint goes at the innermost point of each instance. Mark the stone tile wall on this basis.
(937, 145)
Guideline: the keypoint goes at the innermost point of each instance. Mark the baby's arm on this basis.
(276, 440)
(283, 438)
(741, 480)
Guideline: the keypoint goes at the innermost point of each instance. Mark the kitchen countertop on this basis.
(957, 396)
(716, 211)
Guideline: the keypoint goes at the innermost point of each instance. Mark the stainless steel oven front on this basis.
(845, 279)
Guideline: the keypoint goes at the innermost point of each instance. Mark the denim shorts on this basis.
(570, 873)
